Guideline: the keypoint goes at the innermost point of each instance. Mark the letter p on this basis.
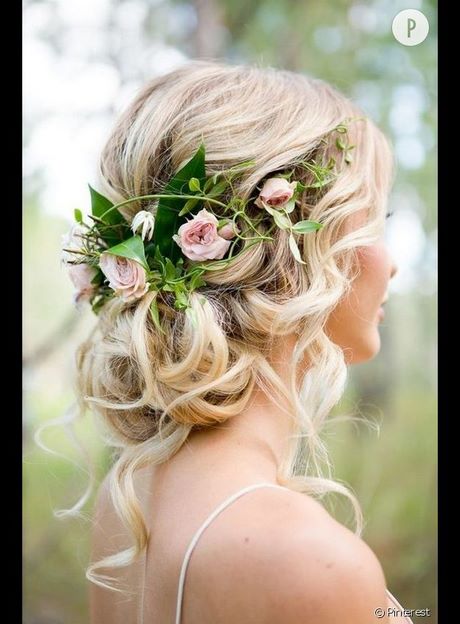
(411, 24)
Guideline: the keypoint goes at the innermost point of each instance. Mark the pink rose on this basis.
(81, 275)
(126, 277)
(227, 231)
(275, 192)
(199, 239)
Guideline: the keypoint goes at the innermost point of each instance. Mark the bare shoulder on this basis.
(289, 561)
(103, 503)
(109, 536)
(103, 498)
(107, 531)
(104, 515)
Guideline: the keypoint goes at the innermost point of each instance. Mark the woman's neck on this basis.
(255, 440)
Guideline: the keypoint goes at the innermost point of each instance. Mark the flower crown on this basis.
(162, 250)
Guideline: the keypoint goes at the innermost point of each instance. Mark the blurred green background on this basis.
(83, 61)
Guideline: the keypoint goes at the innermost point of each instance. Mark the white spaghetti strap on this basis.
(197, 536)
(398, 606)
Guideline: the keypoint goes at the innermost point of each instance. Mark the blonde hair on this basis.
(151, 389)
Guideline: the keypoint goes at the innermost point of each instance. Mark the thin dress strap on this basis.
(198, 534)
(398, 606)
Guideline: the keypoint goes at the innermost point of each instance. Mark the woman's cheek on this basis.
(374, 267)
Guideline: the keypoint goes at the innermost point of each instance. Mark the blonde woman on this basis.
(210, 513)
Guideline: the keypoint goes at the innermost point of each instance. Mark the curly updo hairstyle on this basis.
(150, 388)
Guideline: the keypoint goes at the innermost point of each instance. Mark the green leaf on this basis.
(149, 249)
(155, 315)
(133, 248)
(99, 207)
(189, 205)
(181, 298)
(155, 277)
(218, 189)
(99, 203)
(211, 181)
(304, 227)
(295, 249)
(196, 281)
(179, 267)
(191, 314)
(194, 184)
(78, 215)
(170, 270)
(98, 279)
(158, 256)
(281, 220)
(168, 220)
(285, 176)
(97, 220)
(96, 303)
(321, 183)
(242, 165)
(289, 207)
(340, 144)
(181, 295)
(102, 213)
